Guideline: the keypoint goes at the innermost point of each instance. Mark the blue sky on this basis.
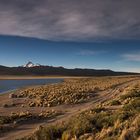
(115, 55)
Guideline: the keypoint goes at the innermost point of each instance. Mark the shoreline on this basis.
(26, 77)
(11, 77)
(8, 91)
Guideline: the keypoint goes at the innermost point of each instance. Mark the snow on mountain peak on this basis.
(30, 65)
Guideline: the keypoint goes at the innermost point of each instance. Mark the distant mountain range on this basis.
(41, 70)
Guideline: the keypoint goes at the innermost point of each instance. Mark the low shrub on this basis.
(80, 125)
(98, 109)
(124, 115)
(66, 135)
(131, 94)
(5, 120)
(5, 105)
(134, 105)
(115, 102)
(103, 119)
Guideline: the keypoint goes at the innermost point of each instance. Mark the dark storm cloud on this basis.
(71, 19)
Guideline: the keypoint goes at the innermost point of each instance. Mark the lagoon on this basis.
(7, 85)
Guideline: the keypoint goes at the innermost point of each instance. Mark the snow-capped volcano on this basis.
(31, 64)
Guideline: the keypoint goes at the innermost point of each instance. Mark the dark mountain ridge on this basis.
(58, 71)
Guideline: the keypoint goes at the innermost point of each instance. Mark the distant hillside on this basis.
(49, 70)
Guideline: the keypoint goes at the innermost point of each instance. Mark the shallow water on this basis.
(7, 85)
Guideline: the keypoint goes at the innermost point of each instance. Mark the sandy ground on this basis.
(11, 77)
(8, 77)
(68, 110)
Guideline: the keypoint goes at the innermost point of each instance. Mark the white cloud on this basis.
(90, 52)
(132, 57)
